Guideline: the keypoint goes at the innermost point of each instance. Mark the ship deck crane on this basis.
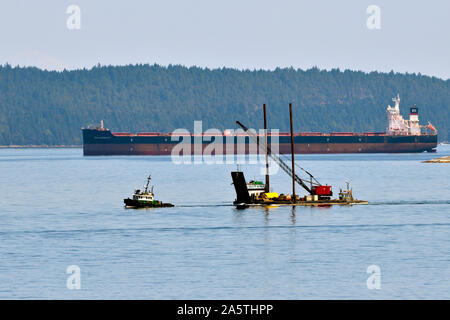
(315, 187)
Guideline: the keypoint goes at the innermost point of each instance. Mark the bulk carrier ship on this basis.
(401, 136)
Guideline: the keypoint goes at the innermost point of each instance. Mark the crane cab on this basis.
(323, 192)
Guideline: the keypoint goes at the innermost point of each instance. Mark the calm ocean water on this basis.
(58, 208)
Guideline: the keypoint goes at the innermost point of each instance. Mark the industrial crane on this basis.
(315, 188)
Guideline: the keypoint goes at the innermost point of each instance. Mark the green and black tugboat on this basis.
(145, 199)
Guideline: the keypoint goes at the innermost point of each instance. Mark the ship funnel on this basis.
(414, 113)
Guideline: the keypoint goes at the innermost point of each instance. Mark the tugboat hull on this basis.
(139, 204)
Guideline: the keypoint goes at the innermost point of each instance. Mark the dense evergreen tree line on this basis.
(46, 107)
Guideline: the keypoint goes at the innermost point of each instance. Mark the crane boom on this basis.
(277, 159)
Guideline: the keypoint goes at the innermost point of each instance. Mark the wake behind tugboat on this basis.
(145, 199)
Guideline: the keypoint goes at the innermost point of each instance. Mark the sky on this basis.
(413, 36)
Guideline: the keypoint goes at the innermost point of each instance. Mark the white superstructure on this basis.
(255, 188)
(399, 126)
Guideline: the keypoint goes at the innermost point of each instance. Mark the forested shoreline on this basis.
(39, 107)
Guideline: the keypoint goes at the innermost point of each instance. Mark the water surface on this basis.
(59, 208)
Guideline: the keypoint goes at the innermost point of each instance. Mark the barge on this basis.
(257, 193)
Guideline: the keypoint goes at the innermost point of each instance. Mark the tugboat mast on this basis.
(148, 182)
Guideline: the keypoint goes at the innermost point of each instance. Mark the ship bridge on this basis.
(399, 126)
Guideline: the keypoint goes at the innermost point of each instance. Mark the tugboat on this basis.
(145, 199)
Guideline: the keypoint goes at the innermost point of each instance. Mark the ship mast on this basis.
(292, 153)
(267, 150)
(148, 182)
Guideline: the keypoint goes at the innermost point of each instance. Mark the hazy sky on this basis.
(414, 35)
